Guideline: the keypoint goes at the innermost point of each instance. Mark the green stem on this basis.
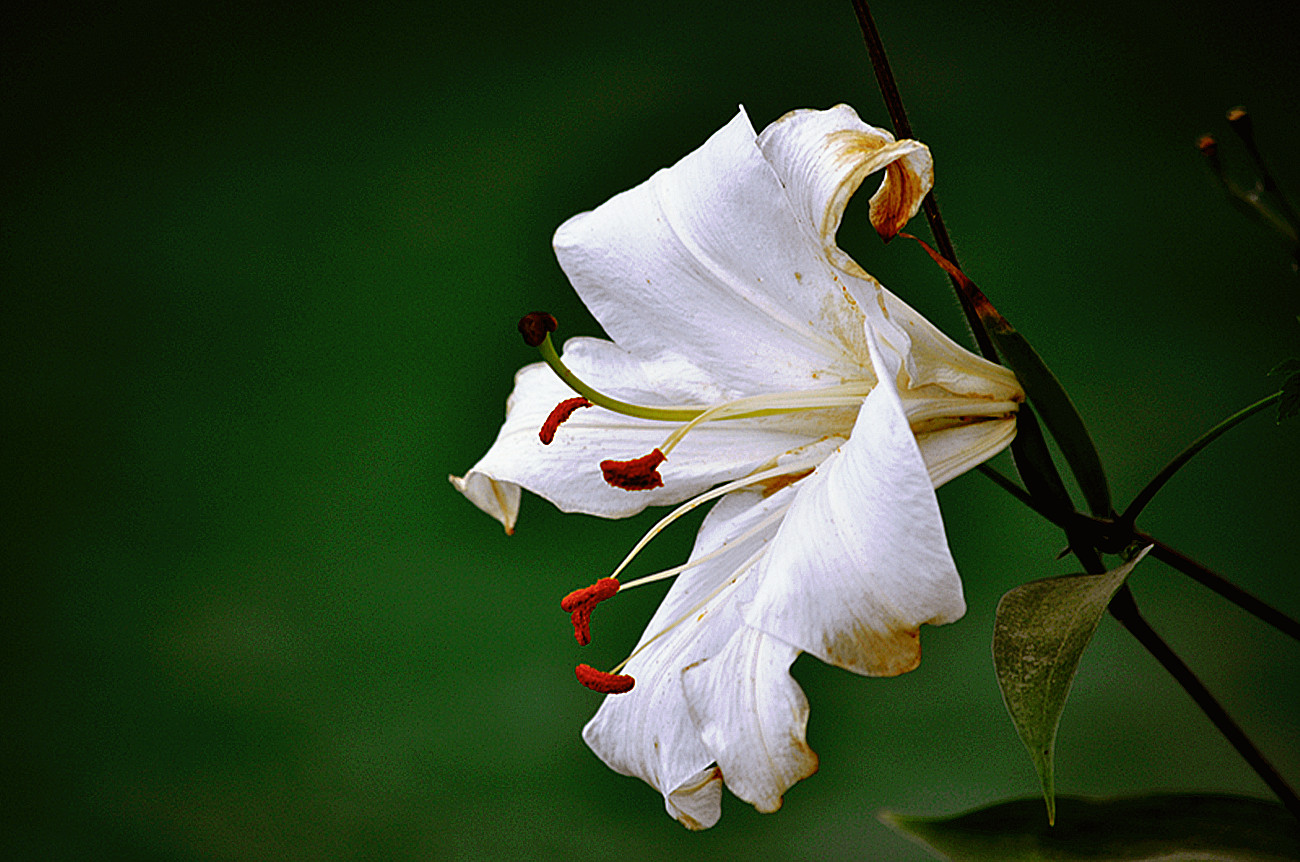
(1225, 588)
(1124, 609)
(903, 128)
(1029, 449)
(1112, 534)
(1144, 496)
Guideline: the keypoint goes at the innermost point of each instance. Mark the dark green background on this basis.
(261, 269)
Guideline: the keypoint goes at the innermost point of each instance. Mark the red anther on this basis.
(562, 411)
(580, 603)
(605, 683)
(535, 327)
(639, 474)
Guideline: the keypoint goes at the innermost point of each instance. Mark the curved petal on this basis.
(934, 359)
(823, 156)
(953, 451)
(567, 472)
(861, 559)
(708, 259)
(752, 717)
(649, 732)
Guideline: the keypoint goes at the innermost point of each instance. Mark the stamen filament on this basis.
(713, 494)
(758, 555)
(716, 552)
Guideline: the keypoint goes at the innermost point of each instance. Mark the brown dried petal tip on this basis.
(639, 474)
(605, 683)
(535, 327)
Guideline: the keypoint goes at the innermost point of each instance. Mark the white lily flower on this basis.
(754, 363)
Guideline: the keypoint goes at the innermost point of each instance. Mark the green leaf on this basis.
(1158, 828)
(1059, 415)
(1039, 635)
(1043, 390)
(1289, 405)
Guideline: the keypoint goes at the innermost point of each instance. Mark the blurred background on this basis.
(262, 268)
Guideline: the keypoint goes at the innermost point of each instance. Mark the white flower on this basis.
(825, 410)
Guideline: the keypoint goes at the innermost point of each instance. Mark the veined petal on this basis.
(752, 717)
(649, 732)
(934, 359)
(953, 451)
(567, 472)
(708, 259)
(861, 559)
(823, 156)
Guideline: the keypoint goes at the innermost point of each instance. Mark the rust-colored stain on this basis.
(876, 653)
(776, 483)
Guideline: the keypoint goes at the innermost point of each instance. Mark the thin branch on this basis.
(903, 128)
(1146, 494)
(1216, 582)
(1124, 609)
(1116, 535)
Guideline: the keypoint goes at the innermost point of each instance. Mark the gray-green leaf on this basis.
(1135, 829)
(1039, 635)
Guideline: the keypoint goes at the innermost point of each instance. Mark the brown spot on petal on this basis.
(776, 483)
(875, 653)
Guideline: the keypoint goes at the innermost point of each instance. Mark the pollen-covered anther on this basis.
(639, 474)
(605, 683)
(580, 604)
(562, 411)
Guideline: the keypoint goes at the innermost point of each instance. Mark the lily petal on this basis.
(708, 259)
(567, 472)
(879, 565)
(649, 732)
(752, 717)
(953, 451)
(823, 156)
